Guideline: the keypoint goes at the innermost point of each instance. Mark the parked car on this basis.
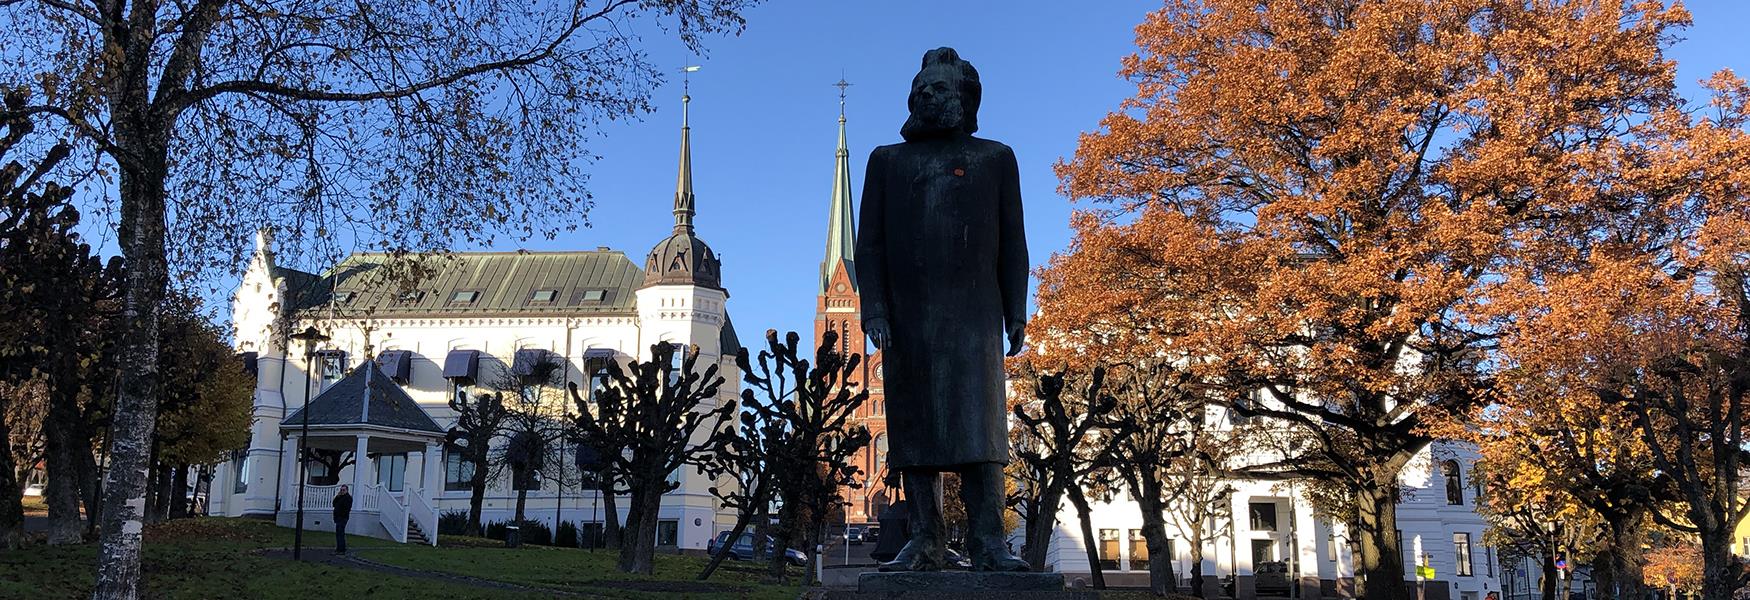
(872, 534)
(743, 549)
(1271, 578)
(853, 536)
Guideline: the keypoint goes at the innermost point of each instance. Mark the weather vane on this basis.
(841, 85)
(685, 80)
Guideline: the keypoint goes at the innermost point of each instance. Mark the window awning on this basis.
(526, 360)
(599, 353)
(462, 364)
(397, 364)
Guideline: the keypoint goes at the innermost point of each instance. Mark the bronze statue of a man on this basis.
(942, 266)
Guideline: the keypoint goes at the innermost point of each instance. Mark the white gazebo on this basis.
(367, 414)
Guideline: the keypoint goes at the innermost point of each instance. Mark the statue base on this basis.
(960, 585)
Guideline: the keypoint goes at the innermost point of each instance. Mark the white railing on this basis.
(391, 512)
(316, 497)
(422, 512)
(370, 499)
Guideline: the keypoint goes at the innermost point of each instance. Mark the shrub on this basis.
(566, 537)
(453, 522)
(533, 532)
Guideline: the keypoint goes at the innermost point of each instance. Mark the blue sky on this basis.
(764, 118)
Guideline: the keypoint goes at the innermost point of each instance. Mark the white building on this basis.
(1273, 529)
(455, 327)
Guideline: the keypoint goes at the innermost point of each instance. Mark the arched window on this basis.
(1454, 482)
(880, 465)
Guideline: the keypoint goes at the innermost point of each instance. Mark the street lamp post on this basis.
(310, 337)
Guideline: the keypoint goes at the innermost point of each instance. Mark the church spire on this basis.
(683, 193)
(841, 234)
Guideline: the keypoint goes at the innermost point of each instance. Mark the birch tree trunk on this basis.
(136, 406)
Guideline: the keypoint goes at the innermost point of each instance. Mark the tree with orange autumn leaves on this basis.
(1336, 203)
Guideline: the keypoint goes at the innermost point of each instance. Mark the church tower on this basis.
(838, 309)
(682, 298)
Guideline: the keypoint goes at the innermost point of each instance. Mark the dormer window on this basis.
(410, 297)
(464, 297)
(345, 297)
(544, 296)
(594, 295)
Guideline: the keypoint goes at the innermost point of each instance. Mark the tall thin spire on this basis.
(683, 192)
(841, 230)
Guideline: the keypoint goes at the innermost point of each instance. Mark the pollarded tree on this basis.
(1349, 179)
(651, 415)
(793, 445)
(478, 420)
(532, 428)
(1068, 437)
(412, 126)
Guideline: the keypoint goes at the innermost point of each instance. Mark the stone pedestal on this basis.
(960, 585)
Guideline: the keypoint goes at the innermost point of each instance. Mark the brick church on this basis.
(838, 309)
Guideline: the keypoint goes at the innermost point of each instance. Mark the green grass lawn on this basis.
(217, 558)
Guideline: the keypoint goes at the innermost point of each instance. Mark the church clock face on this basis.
(839, 288)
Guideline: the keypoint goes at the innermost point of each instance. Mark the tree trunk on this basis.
(522, 494)
(91, 493)
(1719, 577)
(1196, 542)
(638, 549)
(11, 505)
(1626, 538)
(787, 517)
(1380, 572)
(1084, 513)
(62, 493)
(178, 499)
(1160, 562)
(143, 137)
(1041, 527)
(1547, 586)
(611, 533)
(476, 496)
(1604, 573)
(741, 523)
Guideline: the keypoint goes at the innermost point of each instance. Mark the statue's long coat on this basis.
(942, 255)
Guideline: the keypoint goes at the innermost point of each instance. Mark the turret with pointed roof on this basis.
(683, 258)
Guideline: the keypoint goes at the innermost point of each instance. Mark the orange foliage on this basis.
(1373, 210)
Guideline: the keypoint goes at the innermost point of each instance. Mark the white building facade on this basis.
(453, 326)
(1273, 529)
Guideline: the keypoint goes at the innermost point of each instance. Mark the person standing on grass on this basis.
(342, 512)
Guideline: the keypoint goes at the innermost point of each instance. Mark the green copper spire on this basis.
(841, 230)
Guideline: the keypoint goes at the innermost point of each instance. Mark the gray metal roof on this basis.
(343, 404)
(505, 283)
(478, 283)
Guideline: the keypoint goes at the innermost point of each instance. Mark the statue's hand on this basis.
(876, 329)
(1017, 337)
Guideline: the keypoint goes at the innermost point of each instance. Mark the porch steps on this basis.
(415, 535)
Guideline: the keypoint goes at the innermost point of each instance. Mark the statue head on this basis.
(944, 97)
